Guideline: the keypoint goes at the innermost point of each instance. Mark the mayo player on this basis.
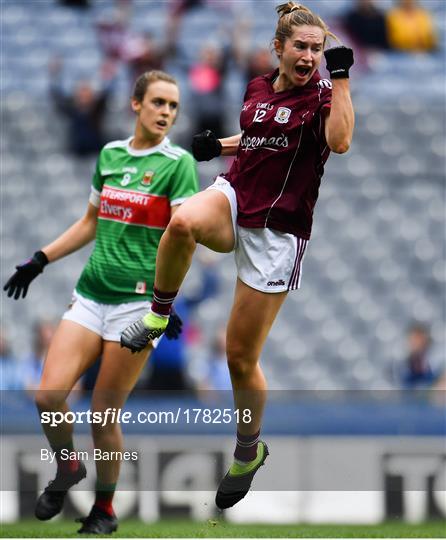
(138, 185)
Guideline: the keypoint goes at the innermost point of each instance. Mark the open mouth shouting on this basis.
(302, 71)
(162, 124)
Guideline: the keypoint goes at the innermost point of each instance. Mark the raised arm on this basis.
(340, 118)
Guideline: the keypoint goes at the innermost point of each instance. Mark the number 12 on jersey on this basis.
(259, 115)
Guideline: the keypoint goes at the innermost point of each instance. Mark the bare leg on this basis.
(118, 375)
(251, 318)
(73, 349)
(205, 218)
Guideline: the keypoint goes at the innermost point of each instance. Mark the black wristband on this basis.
(41, 258)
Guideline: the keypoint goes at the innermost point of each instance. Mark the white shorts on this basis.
(267, 260)
(225, 187)
(106, 320)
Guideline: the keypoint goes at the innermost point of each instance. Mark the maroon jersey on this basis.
(280, 160)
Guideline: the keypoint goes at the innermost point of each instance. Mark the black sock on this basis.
(246, 448)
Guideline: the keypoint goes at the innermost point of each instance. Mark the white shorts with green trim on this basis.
(267, 260)
(106, 320)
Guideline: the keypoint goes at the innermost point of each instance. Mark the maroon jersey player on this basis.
(282, 151)
(262, 209)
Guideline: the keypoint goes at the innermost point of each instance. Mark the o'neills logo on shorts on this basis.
(277, 283)
(269, 143)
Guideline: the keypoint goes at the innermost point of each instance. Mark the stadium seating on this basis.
(376, 259)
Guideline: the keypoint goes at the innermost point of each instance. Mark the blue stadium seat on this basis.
(373, 262)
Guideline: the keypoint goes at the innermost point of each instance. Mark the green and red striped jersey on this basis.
(134, 191)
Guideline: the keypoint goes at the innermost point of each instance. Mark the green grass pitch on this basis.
(221, 529)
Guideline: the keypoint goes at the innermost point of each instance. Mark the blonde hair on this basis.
(146, 79)
(293, 14)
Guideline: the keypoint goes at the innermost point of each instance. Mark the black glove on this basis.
(26, 272)
(174, 326)
(206, 146)
(339, 61)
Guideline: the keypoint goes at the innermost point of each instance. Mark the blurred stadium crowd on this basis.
(374, 275)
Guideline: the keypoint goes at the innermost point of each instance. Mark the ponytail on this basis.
(293, 14)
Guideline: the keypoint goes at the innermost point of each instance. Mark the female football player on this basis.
(138, 185)
(262, 208)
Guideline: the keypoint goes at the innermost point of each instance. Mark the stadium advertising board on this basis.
(327, 479)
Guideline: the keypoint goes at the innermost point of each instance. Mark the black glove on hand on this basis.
(174, 326)
(26, 272)
(339, 61)
(206, 146)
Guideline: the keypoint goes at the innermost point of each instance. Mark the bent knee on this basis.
(105, 414)
(49, 400)
(240, 362)
(180, 225)
(105, 429)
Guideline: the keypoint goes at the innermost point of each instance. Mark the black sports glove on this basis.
(339, 61)
(174, 326)
(206, 146)
(26, 272)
